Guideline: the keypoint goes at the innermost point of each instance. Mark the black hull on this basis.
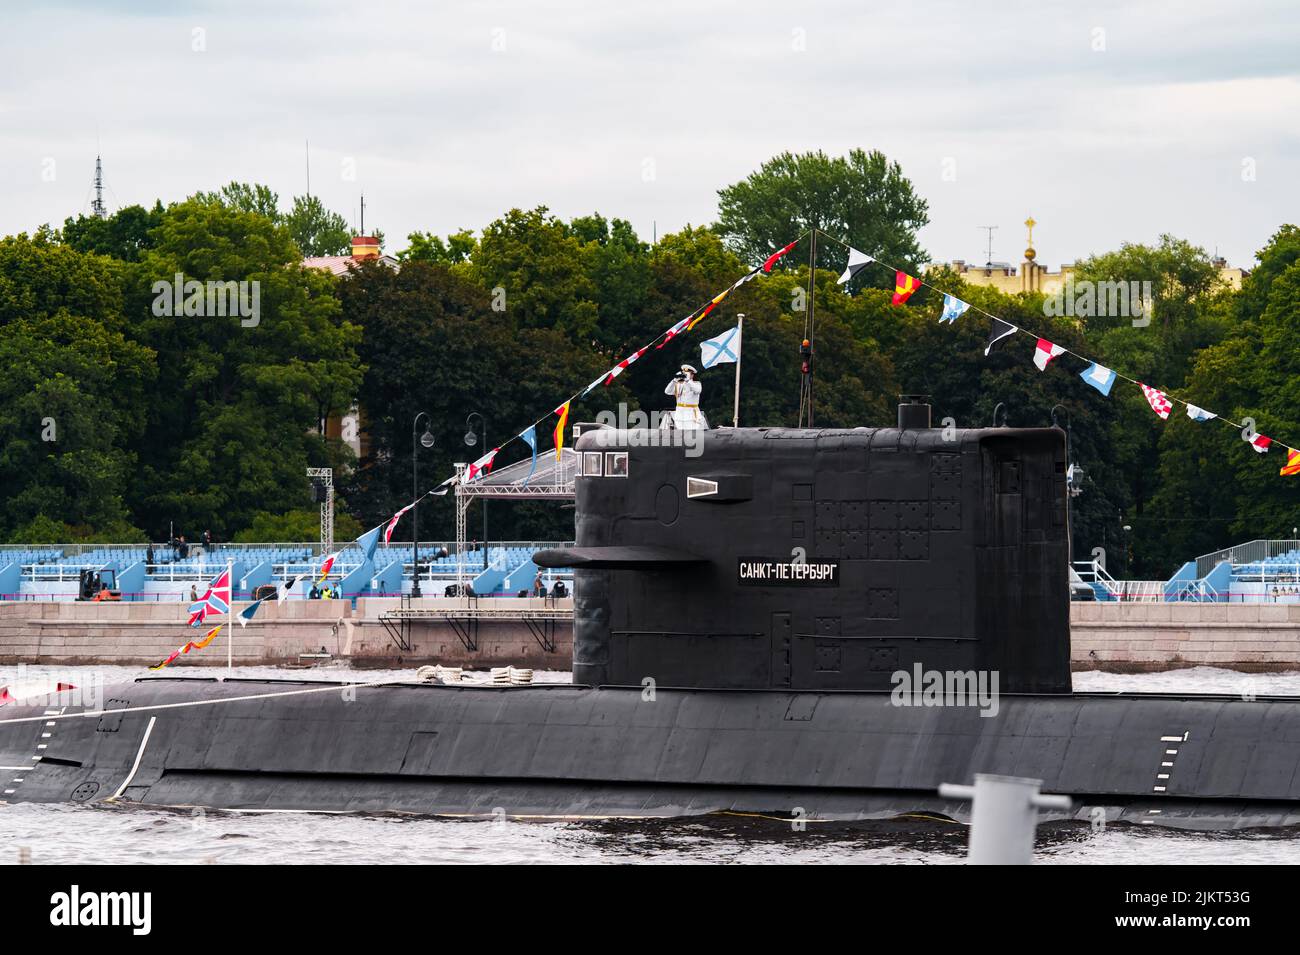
(562, 751)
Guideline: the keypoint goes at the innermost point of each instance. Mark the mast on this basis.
(809, 337)
(97, 208)
(740, 344)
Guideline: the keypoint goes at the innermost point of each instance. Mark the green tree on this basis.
(862, 199)
(313, 228)
(537, 262)
(317, 230)
(245, 197)
(123, 235)
(701, 250)
(1212, 489)
(239, 410)
(71, 391)
(458, 247)
(433, 343)
(298, 526)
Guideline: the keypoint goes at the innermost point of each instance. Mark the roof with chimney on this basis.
(365, 248)
(339, 264)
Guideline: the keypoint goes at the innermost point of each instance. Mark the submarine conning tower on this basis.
(820, 559)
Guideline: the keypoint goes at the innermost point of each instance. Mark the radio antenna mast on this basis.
(97, 208)
(990, 229)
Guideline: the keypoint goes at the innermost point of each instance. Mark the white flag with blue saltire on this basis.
(1100, 377)
(723, 348)
(953, 307)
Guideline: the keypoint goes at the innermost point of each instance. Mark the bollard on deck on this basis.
(1004, 817)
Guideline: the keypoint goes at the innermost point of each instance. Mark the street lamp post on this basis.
(472, 439)
(426, 440)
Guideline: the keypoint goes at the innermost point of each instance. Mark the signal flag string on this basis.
(484, 464)
(859, 260)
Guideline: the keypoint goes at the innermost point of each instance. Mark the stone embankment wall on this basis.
(132, 634)
(1157, 636)
(1109, 636)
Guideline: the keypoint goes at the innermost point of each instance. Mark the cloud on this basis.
(451, 114)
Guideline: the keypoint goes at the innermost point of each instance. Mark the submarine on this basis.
(809, 623)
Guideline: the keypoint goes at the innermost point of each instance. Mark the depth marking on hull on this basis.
(1168, 764)
(17, 781)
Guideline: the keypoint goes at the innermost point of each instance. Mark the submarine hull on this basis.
(571, 752)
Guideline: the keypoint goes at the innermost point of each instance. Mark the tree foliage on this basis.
(206, 421)
(317, 230)
(863, 198)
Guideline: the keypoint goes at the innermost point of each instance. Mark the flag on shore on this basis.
(857, 262)
(247, 613)
(529, 437)
(327, 566)
(1158, 400)
(392, 521)
(190, 645)
(482, 466)
(623, 365)
(771, 259)
(905, 287)
(563, 412)
(215, 600)
(1100, 377)
(997, 332)
(717, 299)
(1044, 352)
(673, 332)
(953, 309)
(369, 541)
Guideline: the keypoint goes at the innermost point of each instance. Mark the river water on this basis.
(99, 834)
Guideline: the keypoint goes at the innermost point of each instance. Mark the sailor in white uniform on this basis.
(686, 390)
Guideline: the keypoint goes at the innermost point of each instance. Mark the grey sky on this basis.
(445, 129)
